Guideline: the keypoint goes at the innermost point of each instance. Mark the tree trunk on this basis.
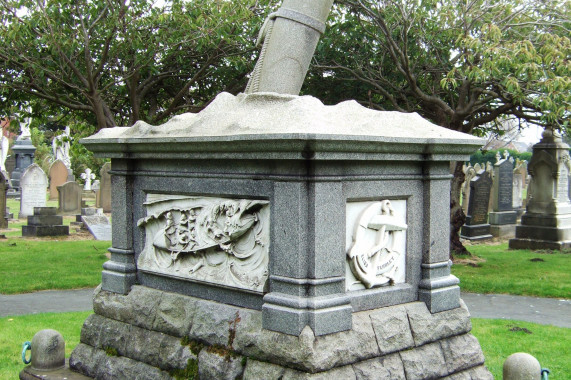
(102, 112)
(457, 217)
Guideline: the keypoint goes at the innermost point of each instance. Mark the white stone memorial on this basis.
(34, 184)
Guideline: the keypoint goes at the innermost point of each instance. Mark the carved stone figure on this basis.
(25, 129)
(373, 255)
(60, 147)
(217, 240)
(4, 146)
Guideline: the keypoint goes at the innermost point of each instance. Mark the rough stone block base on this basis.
(45, 230)
(209, 340)
(502, 230)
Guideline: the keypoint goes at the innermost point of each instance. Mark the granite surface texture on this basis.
(218, 341)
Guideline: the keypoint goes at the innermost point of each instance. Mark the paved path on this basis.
(547, 311)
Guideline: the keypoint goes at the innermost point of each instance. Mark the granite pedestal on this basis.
(45, 222)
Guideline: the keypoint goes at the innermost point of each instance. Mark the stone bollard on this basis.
(521, 366)
(48, 350)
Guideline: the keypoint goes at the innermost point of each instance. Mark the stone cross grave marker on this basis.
(476, 226)
(34, 184)
(69, 197)
(87, 176)
(58, 174)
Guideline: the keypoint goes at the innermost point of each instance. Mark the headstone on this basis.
(546, 223)
(503, 218)
(58, 174)
(23, 151)
(3, 191)
(10, 164)
(98, 225)
(299, 237)
(69, 198)
(34, 184)
(477, 226)
(4, 147)
(45, 222)
(105, 188)
(519, 186)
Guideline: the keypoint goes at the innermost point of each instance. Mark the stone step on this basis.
(45, 220)
(45, 230)
(45, 210)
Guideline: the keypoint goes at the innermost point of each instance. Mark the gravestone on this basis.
(104, 195)
(98, 225)
(10, 164)
(477, 226)
(34, 184)
(546, 223)
(45, 222)
(519, 186)
(503, 218)
(3, 191)
(58, 174)
(233, 244)
(69, 198)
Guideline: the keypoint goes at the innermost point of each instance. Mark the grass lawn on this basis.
(498, 338)
(497, 269)
(29, 265)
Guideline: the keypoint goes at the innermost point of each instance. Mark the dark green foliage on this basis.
(110, 351)
(190, 372)
(481, 157)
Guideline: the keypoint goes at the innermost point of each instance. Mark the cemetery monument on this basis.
(60, 149)
(503, 217)
(69, 198)
(58, 175)
(476, 226)
(3, 192)
(546, 223)
(271, 236)
(23, 150)
(33, 185)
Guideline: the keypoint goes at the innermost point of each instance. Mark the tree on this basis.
(461, 64)
(116, 62)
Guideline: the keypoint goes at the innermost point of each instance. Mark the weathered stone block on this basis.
(392, 329)
(215, 365)
(45, 230)
(174, 314)
(262, 370)
(385, 367)
(426, 362)
(462, 352)
(427, 327)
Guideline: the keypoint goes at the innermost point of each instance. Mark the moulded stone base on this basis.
(218, 341)
(475, 232)
(45, 230)
(502, 217)
(539, 244)
(503, 230)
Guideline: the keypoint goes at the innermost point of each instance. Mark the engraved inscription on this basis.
(479, 199)
(217, 240)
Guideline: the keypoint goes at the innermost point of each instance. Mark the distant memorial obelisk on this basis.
(546, 223)
(23, 150)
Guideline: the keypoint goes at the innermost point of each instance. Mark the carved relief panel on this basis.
(217, 240)
(375, 244)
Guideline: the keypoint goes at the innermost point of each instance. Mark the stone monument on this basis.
(469, 173)
(23, 150)
(3, 191)
(271, 236)
(477, 226)
(519, 186)
(45, 222)
(69, 199)
(58, 175)
(103, 197)
(546, 223)
(4, 147)
(34, 185)
(87, 176)
(503, 217)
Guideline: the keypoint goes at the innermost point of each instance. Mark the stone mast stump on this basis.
(546, 223)
(277, 237)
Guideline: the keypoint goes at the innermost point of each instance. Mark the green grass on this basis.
(31, 265)
(500, 338)
(518, 272)
(19, 329)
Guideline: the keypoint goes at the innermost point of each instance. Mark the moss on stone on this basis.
(190, 372)
(110, 351)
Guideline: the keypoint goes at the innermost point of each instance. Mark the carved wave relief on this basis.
(376, 244)
(217, 240)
